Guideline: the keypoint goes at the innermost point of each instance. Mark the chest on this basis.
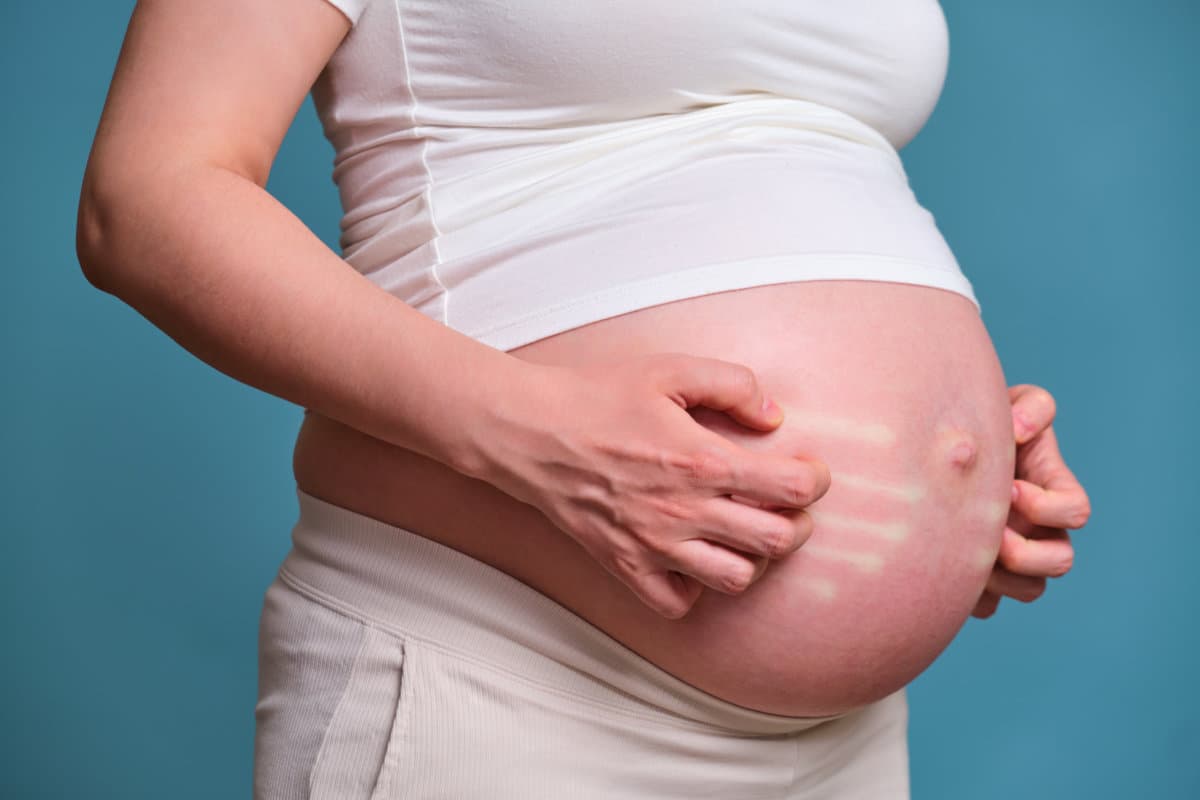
(883, 61)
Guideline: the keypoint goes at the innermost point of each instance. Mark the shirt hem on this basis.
(713, 278)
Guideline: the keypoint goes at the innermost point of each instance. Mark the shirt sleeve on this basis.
(351, 8)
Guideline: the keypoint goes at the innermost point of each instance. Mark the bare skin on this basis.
(914, 425)
(576, 463)
(1047, 501)
(174, 220)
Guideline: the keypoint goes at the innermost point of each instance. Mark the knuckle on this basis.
(800, 488)
(1082, 514)
(671, 508)
(1063, 566)
(624, 563)
(737, 580)
(649, 540)
(742, 380)
(706, 466)
(656, 546)
(779, 540)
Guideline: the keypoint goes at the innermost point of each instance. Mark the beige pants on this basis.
(394, 667)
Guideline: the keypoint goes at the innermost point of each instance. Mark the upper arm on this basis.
(215, 82)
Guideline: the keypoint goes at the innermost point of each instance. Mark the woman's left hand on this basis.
(1047, 500)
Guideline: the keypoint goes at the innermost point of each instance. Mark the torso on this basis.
(896, 387)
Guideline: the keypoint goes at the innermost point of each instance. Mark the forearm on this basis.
(225, 270)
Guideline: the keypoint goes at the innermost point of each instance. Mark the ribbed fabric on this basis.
(306, 655)
(393, 666)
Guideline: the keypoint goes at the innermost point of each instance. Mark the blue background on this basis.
(147, 498)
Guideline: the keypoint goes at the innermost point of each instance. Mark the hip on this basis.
(377, 681)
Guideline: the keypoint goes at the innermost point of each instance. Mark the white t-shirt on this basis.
(517, 168)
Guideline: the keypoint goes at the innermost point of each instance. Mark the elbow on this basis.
(111, 224)
(94, 237)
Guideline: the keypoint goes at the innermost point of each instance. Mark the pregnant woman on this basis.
(653, 439)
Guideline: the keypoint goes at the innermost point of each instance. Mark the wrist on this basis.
(508, 405)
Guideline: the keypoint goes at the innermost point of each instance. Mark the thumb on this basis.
(1033, 410)
(722, 386)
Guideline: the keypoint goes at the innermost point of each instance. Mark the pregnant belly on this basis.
(896, 387)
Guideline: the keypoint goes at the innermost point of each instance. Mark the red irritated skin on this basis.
(1047, 501)
(895, 387)
(898, 390)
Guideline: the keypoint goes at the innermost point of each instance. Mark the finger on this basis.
(753, 531)
(774, 479)
(715, 566)
(719, 385)
(987, 605)
(1055, 497)
(668, 593)
(1044, 553)
(1064, 507)
(1033, 410)
(760, 566)
(1018, 587)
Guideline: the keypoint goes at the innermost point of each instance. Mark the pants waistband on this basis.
(421, 588)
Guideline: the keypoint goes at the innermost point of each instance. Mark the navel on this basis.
(958, 448)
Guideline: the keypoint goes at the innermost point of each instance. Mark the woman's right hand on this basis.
(609, 453)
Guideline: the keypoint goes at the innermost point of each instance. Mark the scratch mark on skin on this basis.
(821, 587)
(911, 492)
(867, 562)
(995, 511)
(892, 531)
(985, 558)
(870, 432)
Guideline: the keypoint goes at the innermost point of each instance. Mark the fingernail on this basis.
(771, 409)
(1016, 492)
